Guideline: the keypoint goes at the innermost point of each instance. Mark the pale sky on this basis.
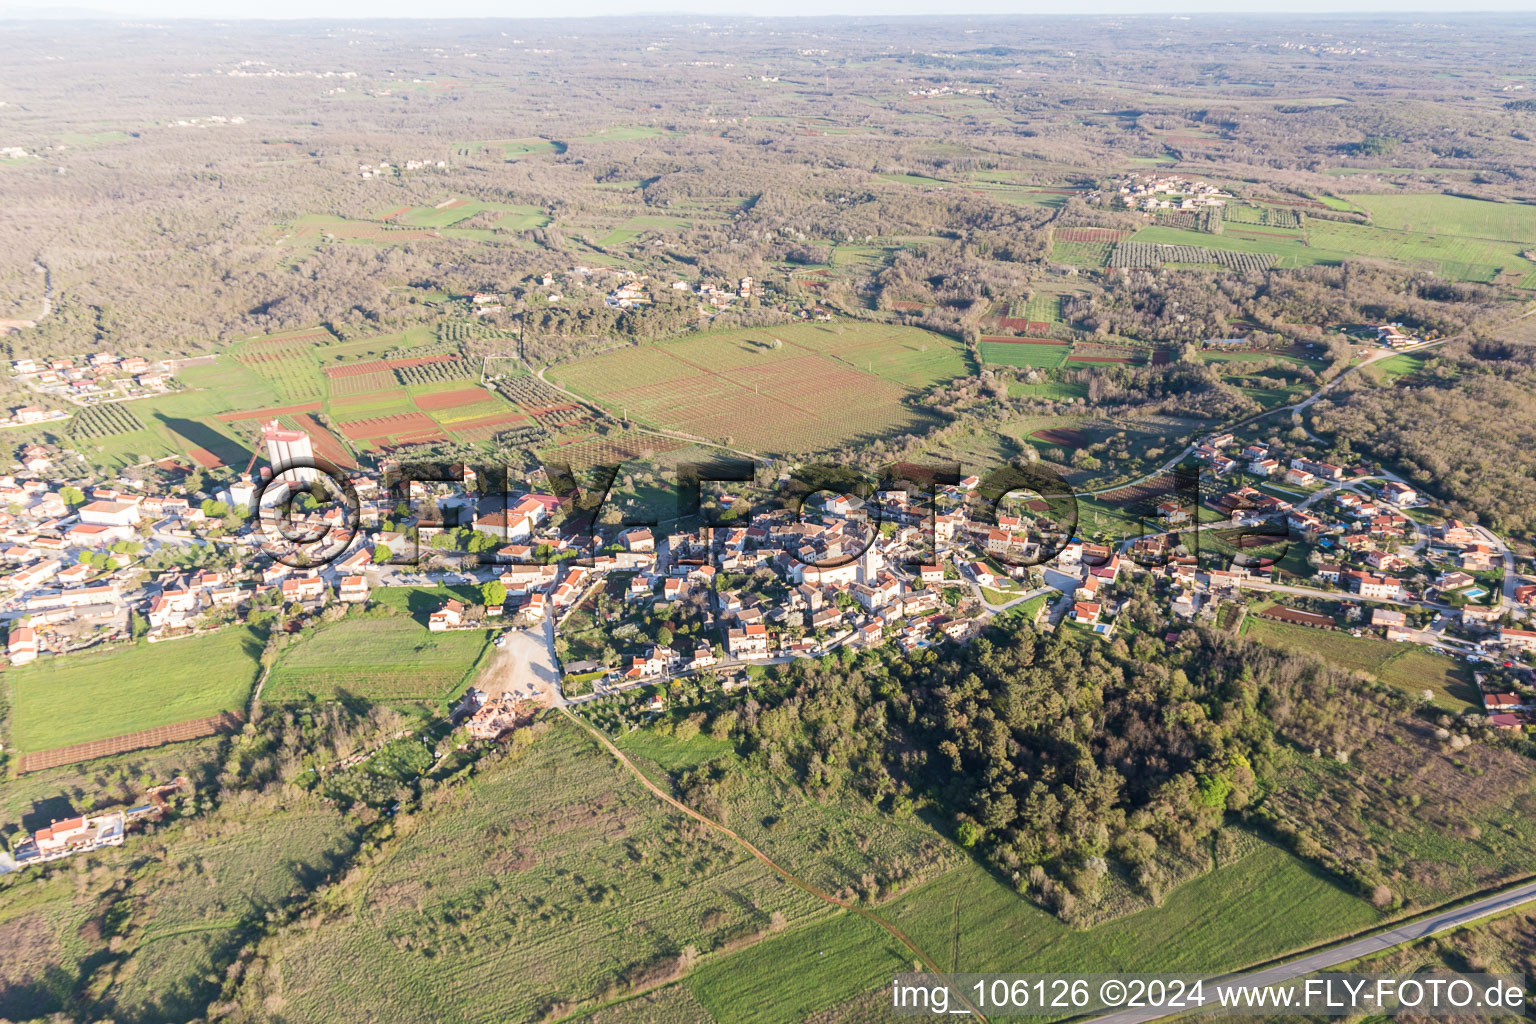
(333, 9)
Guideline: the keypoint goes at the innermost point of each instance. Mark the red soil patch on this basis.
(1068, 437)
(1013, 323)
(378, 427)
(357, 369)
(268, 414)
(205, 458)
(451, 399)
(392, 216)
(324, 443)
(907, 306)
(1300, 618)
(228, 721)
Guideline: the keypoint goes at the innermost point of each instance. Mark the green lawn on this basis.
(1393, 367)
(378, 658)
(1023, 354)
(63, 701)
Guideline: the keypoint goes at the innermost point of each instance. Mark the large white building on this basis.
(289, 450)
(110, 513)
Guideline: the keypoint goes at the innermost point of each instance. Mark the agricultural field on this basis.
(799, 387)
(178, 423)
(452, 212)
(1023, 352)
(1409, 667)
(1393, 368)
(1048, 390)
(635, 227)
(1142, 253)
(1450, 215)
(833, 843)
(1249, 908)
(314, 229)
(91, 696)
(374, 388)
(568, 893)
(198, 890)
(493, 222)
(625, 133)
(378, 658)
(1463, 239)
(1081, 254)
(508, 150)
(103, 421)
(1024, 195)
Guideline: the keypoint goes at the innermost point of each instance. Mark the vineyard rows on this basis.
(432, 373)
(104, 421)
(530, 392)
(1150, 255)
(1265, 216)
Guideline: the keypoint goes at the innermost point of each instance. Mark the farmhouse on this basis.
(21, 645)
(449, 616)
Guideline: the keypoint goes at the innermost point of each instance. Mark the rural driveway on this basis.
(1377, 942)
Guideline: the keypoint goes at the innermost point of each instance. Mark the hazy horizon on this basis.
(483, 9)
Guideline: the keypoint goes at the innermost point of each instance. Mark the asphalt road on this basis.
(1377, 942)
